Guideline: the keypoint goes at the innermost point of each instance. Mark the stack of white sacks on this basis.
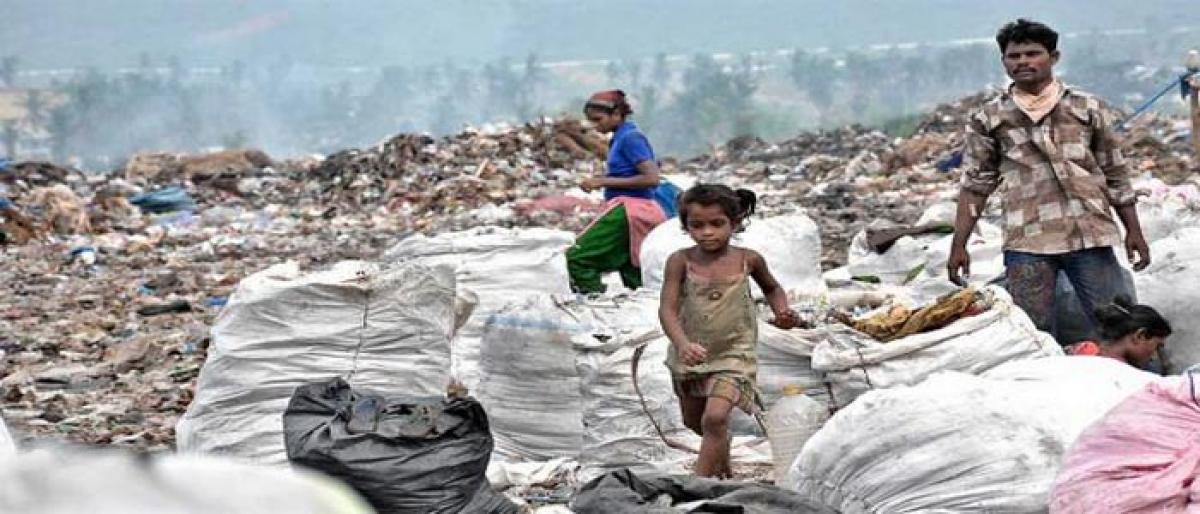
(942, 421)
(554, 372)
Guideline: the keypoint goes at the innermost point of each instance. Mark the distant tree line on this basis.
(684, 103)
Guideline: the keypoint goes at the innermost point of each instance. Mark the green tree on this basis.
(662, 71)
(531, 82)
(35, 107)
(614, 71)
(12, 136)
(743, 83)
(9, 66)
(714, 104)
(61, 133)
(235, 141)
(635, 74)
(648, 106)
(502, 87)
(816, 77)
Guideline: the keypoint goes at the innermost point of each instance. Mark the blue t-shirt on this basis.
(629, 147)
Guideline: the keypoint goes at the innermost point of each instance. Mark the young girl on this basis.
(1131, 333)
(709, 316)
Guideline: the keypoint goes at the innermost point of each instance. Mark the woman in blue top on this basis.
(611, 242)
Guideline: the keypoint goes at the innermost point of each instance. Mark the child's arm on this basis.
(668, 312)
(785, 317)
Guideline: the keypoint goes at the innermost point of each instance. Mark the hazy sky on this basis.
(114, 33)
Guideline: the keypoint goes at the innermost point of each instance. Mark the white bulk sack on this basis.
(498, 265)
(112, 482)
(528, 383)
(790, 244)
(384, 329)
(1169, 286)
(1164, 209)
(922, 259)
(790, 423)
(556, 380)
(958, 442)
(7, 446)
(617, 434)
(785, 359)
(854, 363)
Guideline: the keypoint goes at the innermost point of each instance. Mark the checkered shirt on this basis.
(1058, 179)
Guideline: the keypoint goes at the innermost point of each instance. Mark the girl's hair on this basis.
(1123, 317)
(611, 101)
(737, 205)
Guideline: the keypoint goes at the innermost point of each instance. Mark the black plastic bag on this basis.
(418, 455)
(623, 492)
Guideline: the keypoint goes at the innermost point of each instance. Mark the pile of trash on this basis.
(843, 179)
(118, 287)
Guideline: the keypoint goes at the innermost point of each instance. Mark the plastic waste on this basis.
(404, 454)
(7, 446)
(171, 199)
(84, 254)
(165, 308)
(790, 423)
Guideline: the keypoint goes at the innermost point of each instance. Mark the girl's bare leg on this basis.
(692, 410)
(714, 445)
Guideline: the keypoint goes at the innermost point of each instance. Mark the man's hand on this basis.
(691, 354)
(786, 320)
(959, 260)
(589, 184)
(1135, 243)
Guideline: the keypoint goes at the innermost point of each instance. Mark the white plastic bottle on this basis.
(790, 422)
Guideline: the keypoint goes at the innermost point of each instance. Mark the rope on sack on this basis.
(862, 363)
(833, 403)
(361, 277)
(637, 357)
(1192, 383)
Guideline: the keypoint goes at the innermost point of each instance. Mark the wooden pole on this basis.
(1193, 64)
(1195, 103)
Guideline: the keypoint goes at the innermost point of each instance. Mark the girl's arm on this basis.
(668, 312)
(785, 317)
(647, 177)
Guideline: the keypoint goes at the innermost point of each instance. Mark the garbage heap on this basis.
(112, 281)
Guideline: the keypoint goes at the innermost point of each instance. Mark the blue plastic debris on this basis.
(84, 254)
(80, 250)
(950, 162)
(171, 199)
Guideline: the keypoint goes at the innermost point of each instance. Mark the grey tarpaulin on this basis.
(405, 455)
(622, 492)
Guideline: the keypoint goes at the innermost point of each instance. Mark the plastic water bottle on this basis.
(790, 422)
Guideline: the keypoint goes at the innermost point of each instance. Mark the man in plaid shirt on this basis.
(1051, 151)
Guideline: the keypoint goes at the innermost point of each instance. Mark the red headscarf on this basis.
(612, 100)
